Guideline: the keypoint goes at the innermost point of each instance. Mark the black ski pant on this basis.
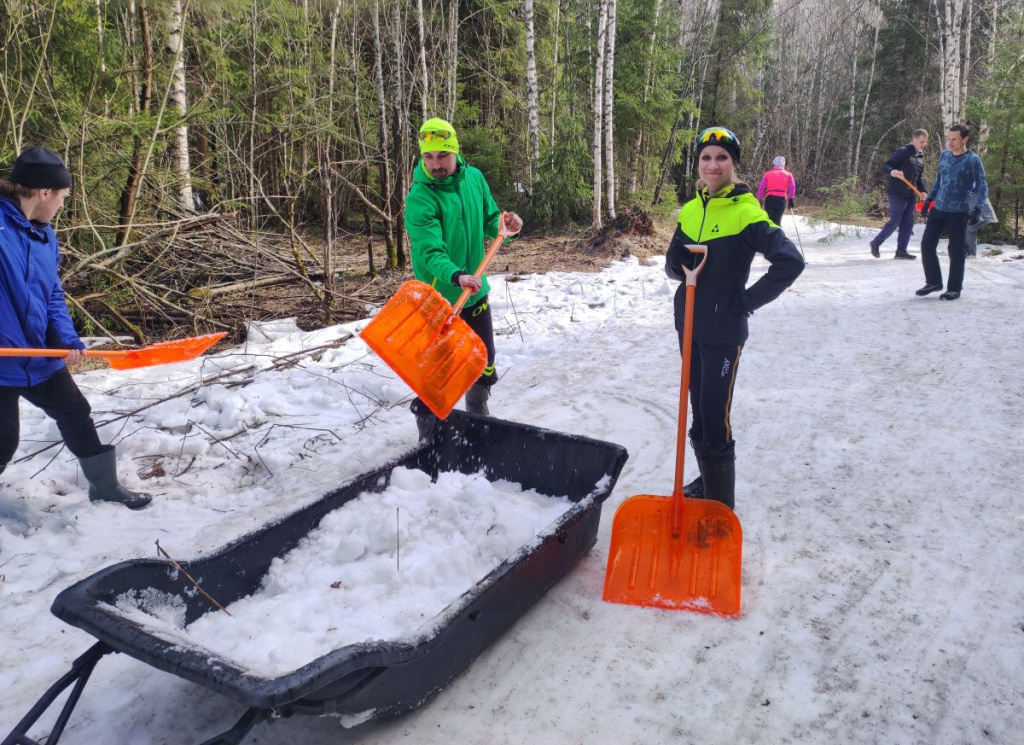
(478, 318)
(955, 225)
(59, 398)
(775, 206)
(713, 371)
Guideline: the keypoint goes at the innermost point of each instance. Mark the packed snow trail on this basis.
(877, 484)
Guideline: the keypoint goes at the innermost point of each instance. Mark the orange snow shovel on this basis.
(423, 339)
(179, 350)
(675, 552)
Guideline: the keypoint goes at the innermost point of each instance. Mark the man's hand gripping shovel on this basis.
(675, 552)
(425, 342)
(920, 194)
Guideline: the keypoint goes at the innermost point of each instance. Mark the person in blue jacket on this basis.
(34, 314)
(948, 207)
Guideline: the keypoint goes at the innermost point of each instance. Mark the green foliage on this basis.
(844, 200)
(561, 196)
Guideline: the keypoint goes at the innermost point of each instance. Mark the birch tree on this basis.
(180, 102)
(599, 65)
(609, 108)
(949, 14)
(531, 90)
(391, 258)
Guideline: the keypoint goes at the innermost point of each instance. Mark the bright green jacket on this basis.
(448, 222)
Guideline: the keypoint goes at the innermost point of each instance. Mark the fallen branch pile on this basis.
(203, 273)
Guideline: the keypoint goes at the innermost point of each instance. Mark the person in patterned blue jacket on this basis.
(960, 175)
(34, 314)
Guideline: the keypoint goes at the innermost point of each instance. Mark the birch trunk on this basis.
(602, 24)
(451, 91)
(391, 258)
(398, 139)
(180, 101)
(364, 156)
(949, 16)
(609, 109)
(423, 60)
(531, 92)
(853, 97)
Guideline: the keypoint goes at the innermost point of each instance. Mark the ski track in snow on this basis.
(878, 485)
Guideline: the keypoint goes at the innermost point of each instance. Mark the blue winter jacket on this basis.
(33, 312)
(956, 178)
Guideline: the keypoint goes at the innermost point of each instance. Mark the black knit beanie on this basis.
(40, 168)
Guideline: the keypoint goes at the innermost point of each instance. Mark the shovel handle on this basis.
(684, 386)
(493, 249)
(920, 194)
(112, 354)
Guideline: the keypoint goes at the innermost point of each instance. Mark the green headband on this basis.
(437, 135)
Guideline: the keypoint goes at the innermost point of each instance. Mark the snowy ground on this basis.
(878, 484)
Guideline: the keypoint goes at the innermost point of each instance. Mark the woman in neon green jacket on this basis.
(727, 218)
(449, 216)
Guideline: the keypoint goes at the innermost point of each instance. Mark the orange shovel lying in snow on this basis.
(179, 350)
(423, 339)
(674, 552)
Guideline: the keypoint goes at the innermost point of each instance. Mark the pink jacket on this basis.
(778, 182)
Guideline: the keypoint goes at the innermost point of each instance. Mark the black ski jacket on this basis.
(910, 160)
(734, 228)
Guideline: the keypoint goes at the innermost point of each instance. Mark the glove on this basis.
(926, 208)
(791, 204)
(737, 304)
(975, 217)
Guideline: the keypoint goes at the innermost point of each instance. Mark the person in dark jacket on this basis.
(726, 217)
(449, 215)
(906, 163)
(959, 176)
(34, 314)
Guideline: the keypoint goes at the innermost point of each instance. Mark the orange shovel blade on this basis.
(697, 571)
(439, 356)
(163, 353)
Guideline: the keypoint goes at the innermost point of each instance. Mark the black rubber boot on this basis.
(695, 489)
(476, 399)
(101, 472)
(719, 479)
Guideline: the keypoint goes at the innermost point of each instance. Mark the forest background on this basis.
(235, 159)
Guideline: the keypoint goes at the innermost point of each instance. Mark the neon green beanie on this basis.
(437, 135)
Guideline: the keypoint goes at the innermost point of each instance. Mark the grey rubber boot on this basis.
(476, 399)
(426, 421)
(719, 476)
(101, 472)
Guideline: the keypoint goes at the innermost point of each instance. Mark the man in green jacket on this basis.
(450, 215)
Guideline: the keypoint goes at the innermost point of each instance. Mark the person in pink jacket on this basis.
(777, 188)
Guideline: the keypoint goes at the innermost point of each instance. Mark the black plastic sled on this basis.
(386, 677)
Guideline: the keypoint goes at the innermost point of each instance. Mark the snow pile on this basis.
(385, 566)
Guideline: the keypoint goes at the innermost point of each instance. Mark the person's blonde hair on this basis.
(736, 180)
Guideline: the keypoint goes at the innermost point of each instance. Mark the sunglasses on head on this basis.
(437, 135)
(716, 134)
